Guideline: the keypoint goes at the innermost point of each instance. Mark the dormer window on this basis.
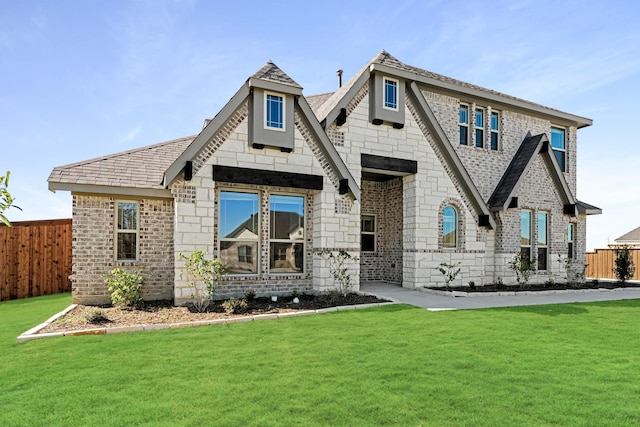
(390, 94)
(274, 111)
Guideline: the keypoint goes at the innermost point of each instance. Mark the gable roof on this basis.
(520, 164)
(631, 236)
(386, 63)
(269, 77)
(587, 209)
(137, 171)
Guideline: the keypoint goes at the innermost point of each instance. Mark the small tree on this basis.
(576, 271)
(339, 271)
(6, 200)
(450, 271)
(204, 278)
(125, 287)
(523, 267)
(624, 267)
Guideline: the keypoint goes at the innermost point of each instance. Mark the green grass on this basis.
(576, 364)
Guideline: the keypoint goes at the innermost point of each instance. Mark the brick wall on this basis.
(93, 248)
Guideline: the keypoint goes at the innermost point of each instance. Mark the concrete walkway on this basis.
(435, 302)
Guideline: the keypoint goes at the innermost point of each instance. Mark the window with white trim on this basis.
(463, 121)
(286, 234)
(239, 231)
(127, 231)
(494, 130)
(449, 227)
(558, 145)
(543, 240)
(479, 127)
(525, 234)
(367, 233)
(390, 94)
(571, 233)
(274, 111)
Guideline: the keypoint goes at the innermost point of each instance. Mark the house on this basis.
(401, 167)
(630, 239)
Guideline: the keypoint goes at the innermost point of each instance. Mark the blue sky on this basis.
(84, 78)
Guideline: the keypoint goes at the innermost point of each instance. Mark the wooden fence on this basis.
(602, 262)
(35, 258)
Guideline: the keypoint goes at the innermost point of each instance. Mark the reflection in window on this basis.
(390, 94)
(571, 232)
(494, 130)
(274, 111)
(479, 128)
(239, 231)
(542, 240)
(127, 231)
(286, 234)
(525, 234)
(449, 227)
(463, 120)
(559, 148)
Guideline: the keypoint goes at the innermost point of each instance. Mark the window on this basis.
(390, 94)
(274, 111)
(464, 124)
(559, 148)
(127, 231)
(479, 127)
(239, 231)
(367, 233)
(571, 233)
(449, 227)
(525, 234)
(286, 234)
(244, 254)
(495, 120)
(542, 240)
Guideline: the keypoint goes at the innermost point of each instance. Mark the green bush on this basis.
(450, 271)
(339, 271)
(624, 267)
(125, 287)
(523, 267)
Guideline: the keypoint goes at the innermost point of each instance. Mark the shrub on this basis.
(233, 305)
(204, 278)
(576, 271)
(450, 271)
(250, 295)
(339, 272)
(94, 315)
(624, 267)
(523, 267)
(125, 287)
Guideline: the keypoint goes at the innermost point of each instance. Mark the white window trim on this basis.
(463, 124)
(284, 112)
(531, 219)
(258, 240)
(481, 127)
(371, 233)
(118, 231)
(546, 243)
(302, 241)
(495, 131)
(562, 150)
(384, 93)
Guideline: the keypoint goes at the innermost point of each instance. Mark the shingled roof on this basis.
(141, 168)
(632, 236)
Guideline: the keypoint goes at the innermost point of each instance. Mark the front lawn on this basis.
(576, 364)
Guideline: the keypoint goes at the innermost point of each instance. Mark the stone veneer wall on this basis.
(331, 221)
(93, 247)
(384, 200)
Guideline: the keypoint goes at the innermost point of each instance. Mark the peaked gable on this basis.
(531, 146)
(269, 78)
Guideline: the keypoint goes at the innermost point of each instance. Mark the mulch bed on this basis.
(538, 287)
(156, 312)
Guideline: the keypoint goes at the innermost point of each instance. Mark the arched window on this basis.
(449, 227)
